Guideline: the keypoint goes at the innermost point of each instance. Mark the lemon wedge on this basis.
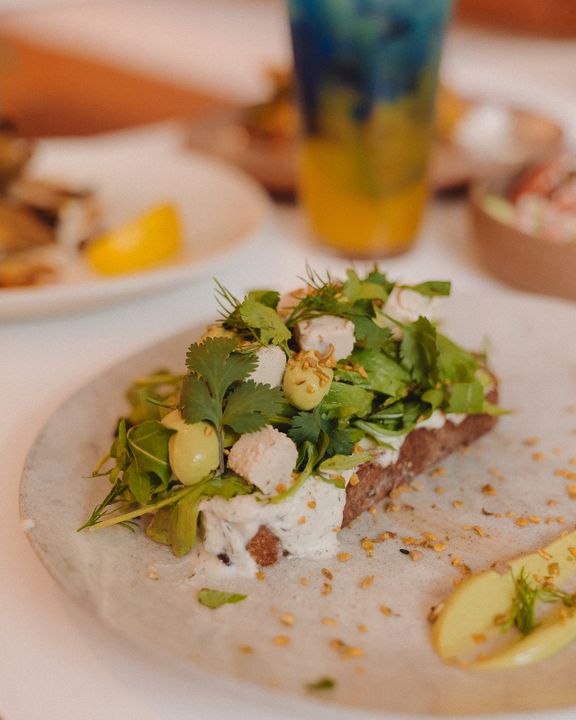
(151, 239)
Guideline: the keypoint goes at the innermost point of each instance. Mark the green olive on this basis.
(306, 381)
(216, 330)
(192, 449)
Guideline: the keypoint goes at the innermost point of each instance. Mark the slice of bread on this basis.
(422, 449)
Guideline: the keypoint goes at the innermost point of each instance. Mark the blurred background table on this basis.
(81, 68)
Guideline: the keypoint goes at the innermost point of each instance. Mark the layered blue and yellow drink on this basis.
(367, 74)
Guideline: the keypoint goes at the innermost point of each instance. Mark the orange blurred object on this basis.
(544, 18)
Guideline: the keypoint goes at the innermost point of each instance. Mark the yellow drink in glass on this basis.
(367, 77)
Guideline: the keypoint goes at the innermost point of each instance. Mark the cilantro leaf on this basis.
(216, 598)
(215, 361)
(198, 403)
(250, 405)
(306, 426)
(419, 351)
(370, 335)
(340, 442)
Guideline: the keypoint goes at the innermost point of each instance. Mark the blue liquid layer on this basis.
(378, 49)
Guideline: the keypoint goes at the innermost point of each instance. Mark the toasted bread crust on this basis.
(421, 450)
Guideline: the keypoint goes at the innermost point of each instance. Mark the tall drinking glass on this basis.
(366, 73)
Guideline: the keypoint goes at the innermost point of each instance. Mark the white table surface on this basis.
(56, 662)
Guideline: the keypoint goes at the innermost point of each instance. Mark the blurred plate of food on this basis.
(474, 138)
(90, 221)
(524, 226)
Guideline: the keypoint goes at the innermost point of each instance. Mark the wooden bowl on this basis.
(542, 18)
(524, 261)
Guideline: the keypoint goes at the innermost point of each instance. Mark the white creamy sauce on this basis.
(306, 523)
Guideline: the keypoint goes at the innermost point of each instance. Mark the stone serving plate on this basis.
(149, 597)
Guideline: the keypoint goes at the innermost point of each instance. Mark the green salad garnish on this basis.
(397, 375)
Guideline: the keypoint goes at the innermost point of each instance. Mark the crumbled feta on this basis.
(266, 458)
(271, 366)
(407, 306)
(321, 333)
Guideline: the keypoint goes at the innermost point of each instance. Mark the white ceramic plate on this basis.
(131, 171)
(145, 594)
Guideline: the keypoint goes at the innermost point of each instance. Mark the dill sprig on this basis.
(322, 298)
(523, 613)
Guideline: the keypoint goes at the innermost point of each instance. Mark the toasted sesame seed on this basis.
(329, 621)
(544, 555)
(530, 442)
(303, 581)
(439, 547)
(311, 504)
(429, 536)
(439, 490)
(488, 490)
(367, 581)
(534, 519)
(153, 575)
(281, 640)
(415, 555)
(386, 611)
(479, 638)
(362, 628)
(326, 589)
(438, 472)
(521, 522)
(327, 574)
(554, 569)
(537, 457)
(457, 503)
(301, 520)
(280, 488)
(287, 619)
(572, 491)
(246, 649)
(572, 551)
(354, 480)
(344, 556)
(260, 575)
(561, 520)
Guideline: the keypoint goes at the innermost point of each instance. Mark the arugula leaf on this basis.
(146, 394)
(250, 405)
(148, 443)
(338, 463)
(383, 374)
(345, 400)
(139, 483)
(340, 441)
(216, 598)
(325, 683)
(378, 432)
(264, 321)
(455, 363)
(183, 523)
(466, 397)
(432, 288)
(159, 527)
(419, 352)
(356, 289)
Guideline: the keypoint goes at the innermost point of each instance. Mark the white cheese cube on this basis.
(266, 458)
(324, 332)
(271, 366)
(407, 306)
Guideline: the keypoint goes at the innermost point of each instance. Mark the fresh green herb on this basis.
(216, 598)
(339, 463)
(325, 683)
(431, 288)
(419, 351)
(325, 434)
(522, 614)
(216, 390)
(345, 400)
(308, 455)
(148, 394)
(255, 317)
